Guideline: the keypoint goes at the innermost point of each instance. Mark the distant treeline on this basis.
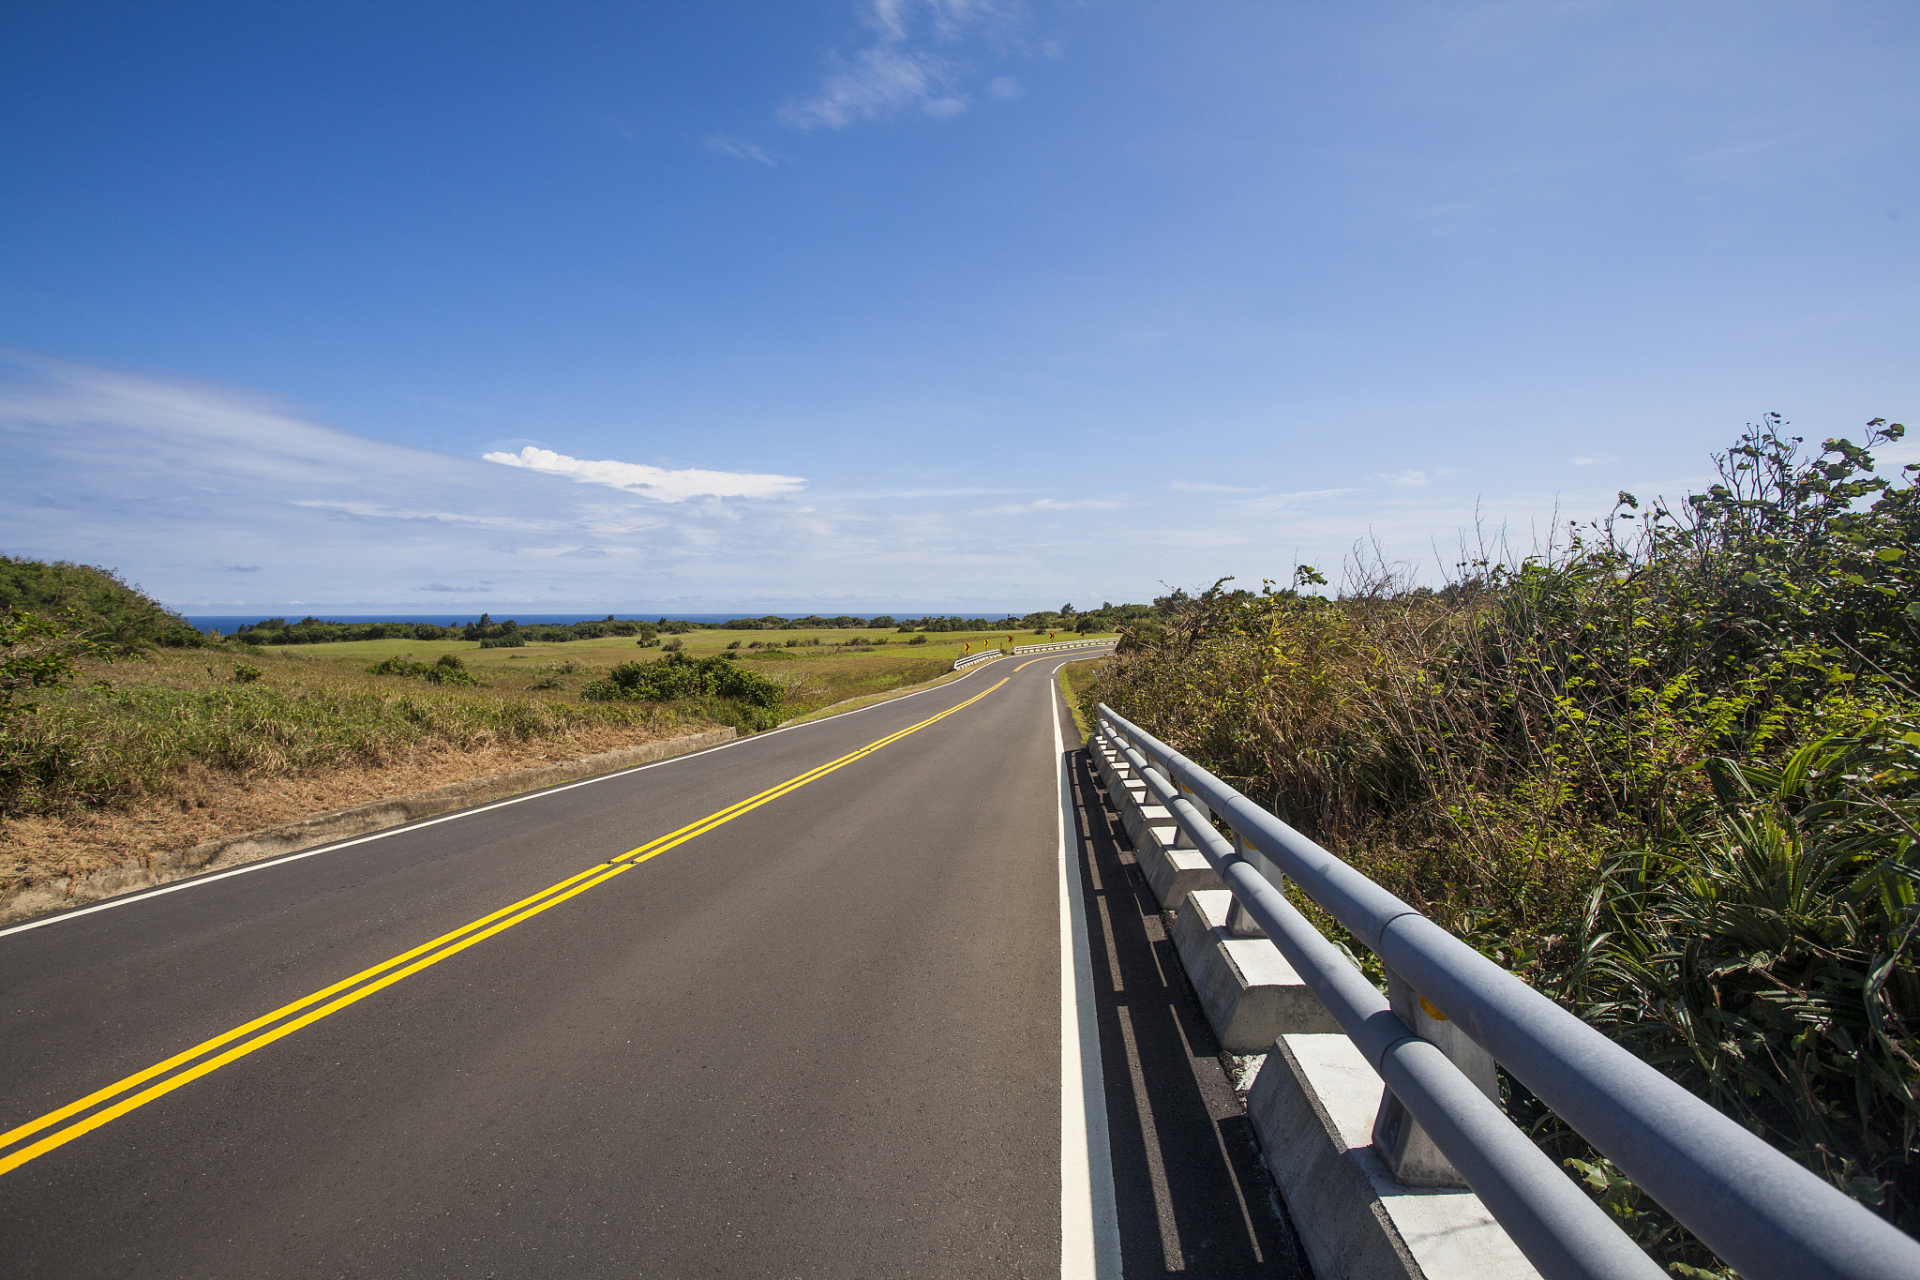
(1108, 617)
(315, 631)
(507, 634)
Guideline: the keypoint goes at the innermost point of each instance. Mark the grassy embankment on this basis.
(1081, 681)
(1668, 773)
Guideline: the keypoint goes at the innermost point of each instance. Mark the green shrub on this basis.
(244, 674)
(678, 676)
(513, 640)
(1666, 772)
(919, 638)
(95, 604)
(449, 670)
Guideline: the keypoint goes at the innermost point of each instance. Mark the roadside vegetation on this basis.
(109, 698)
(123, 733)
(1667, 770)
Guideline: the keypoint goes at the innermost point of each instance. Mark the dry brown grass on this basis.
(168, 751)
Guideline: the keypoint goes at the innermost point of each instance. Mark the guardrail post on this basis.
(1410, 1154)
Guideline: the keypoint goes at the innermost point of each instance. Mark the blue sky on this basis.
(910, 305)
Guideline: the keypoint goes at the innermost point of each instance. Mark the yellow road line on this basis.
(440, 948)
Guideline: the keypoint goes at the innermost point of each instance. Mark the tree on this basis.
(40, 653)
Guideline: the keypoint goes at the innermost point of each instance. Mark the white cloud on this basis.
(1411, 478)
(651, 482)
(1202, 486)
(201, 493)
(739, 150)
(1050, 504)
(905, 66)
(1592, 462)
(195, 491)
(877, 82)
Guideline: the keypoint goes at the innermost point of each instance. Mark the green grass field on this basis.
(816, 675)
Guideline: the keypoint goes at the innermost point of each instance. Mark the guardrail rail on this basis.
(1064, 644)
(1762, 1213)
(988, 655)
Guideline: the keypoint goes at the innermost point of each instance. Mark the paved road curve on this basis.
(791, 1007)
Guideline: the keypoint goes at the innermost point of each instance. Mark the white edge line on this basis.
(265, 864)
(1089, 1217)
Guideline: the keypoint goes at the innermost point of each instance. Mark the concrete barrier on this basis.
(305, 833)
(1141, 814)
(1172, 872)
(1126, 792)
(1247, 989)
(1312, 1107)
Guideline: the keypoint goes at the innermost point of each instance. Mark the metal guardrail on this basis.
(1766, 1216)
(989, 655)
(1063, 644)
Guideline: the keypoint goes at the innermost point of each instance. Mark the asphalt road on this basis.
(733, 1027)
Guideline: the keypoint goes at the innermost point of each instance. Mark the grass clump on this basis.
(727, 691)
(448, 669)
(1666, 771)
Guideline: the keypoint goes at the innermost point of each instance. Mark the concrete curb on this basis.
(324, 828)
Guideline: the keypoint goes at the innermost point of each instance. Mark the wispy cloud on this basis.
(1202, 486)
(1051, 504)
(651, 482)
(910, 63)
(1408, 478)
(739, 150)
(186, 486)
(1592, 462)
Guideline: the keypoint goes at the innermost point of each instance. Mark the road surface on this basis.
(840, 1000)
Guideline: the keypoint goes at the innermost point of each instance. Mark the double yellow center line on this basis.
(163, 1078)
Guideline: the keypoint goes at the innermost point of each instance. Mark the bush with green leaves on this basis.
(1762, 953)
(680, 676)
(94, 604)
(37, 652)
(1663, 772)
(448, 670)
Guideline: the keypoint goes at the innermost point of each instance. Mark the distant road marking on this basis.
(388, 972)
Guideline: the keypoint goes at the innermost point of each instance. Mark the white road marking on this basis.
(1089, 1219)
